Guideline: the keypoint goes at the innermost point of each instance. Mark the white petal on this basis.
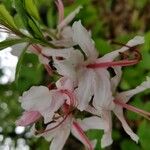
(59, 140)
(63, 43)
(58, 100)
(107, 138)
(58, 52)
(137, 40)
(82, 37)
(18, 49)
(102, 90)
(125, 96)
(43, 59)
(84, 92)
(69, 18)
(37, 98)
(119, 113)
(65, 83)
(92, 123)
(76, 133)
(116, 79)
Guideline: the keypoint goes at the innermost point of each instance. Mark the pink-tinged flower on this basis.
(64, 31)
(90, 74)
(46, 102)
(59, 130)
(122, 98)
(120, 101)
(57, 107)
(69, 18)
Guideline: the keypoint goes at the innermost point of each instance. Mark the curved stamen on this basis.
(133, 109)
(82, 134)
(50, 129)
(124, 62)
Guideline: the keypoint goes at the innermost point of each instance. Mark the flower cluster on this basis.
(85, 84)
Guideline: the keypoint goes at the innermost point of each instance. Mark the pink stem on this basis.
(114, 63)
(132, 108)
(82, 134)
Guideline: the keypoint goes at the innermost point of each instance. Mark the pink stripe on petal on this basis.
(60, 8)
(28, 117)
(71, 97)
(82, 135)
(133, 109)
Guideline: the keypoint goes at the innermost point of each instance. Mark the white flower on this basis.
(58, 131)
(91, 74)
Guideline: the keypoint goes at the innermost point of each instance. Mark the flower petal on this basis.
(107, 138)
(82, 37)
(125, 96)
(18, 49)
(59, 140)
(65, 83)
(77, 131)
(92, 123)
(116, 79)
(37, 98)
(102, 90)
(84, 92)
(69, 18)
(119, 113)
(28, 118)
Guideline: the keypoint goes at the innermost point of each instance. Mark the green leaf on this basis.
(18, 68)
(32, 9)
(19, 6)
(29, 72)
(129, 145)
(144, 134)
(6, 17)
(35, 29)
(9, 42)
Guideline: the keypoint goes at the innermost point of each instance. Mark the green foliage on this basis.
(129, 145)
(144, 134)
(29, 72)
(32, 9)
(6, 18)
(10, 42)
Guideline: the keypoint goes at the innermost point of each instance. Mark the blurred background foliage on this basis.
(117, 20)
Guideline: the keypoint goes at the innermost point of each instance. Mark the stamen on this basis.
(82, 134)
(133, 109)
(114, 63)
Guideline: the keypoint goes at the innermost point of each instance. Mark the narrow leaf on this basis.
(32, 9)
(9, 42)
(6, 17)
